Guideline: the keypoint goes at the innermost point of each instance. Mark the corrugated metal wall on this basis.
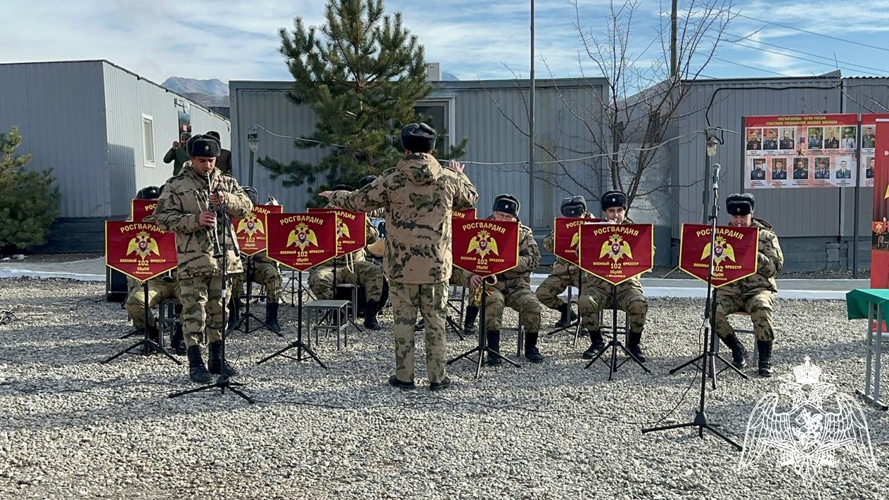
(58, 108)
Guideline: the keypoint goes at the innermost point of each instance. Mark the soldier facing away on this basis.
(418, 198)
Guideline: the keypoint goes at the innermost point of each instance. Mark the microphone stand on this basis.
(148, 346)
(701, 421)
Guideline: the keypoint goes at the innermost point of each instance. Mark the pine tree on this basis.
(28, 200)
(362, 73)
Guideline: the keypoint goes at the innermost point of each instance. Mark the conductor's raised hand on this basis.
(457, 166)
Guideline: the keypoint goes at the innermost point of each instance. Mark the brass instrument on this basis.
(476, 298)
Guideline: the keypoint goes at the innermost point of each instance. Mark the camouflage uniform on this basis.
(158, 289)
(364, 273)
(513, 288)
(184, 197)
(265, 273)
(418, 197)
(754, 294)
(562, 275)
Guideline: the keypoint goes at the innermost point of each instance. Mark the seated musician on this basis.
(354, 269)
(597, 293)
(563, 274)
(265, 272)
(160, 288)
(513, 287)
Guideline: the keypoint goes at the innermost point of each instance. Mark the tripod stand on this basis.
(224, 381)
(482, 346)
(615, 344)
(577, 324)
(701, 421)
(298, 343)
(245, 319)
(148, 346)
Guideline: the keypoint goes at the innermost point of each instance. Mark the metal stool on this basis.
(167, 317)
(317, 310)
(353, 304)
(755, 356)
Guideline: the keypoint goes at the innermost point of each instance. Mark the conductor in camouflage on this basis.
(188, 207)
(418, 198)
(754, 294)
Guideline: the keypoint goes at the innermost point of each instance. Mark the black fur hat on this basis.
(740, 204)
(507, 204)
(148, 193)
(367, 179)
(342, 187)
(203, 145)
(614, 199)
(573, 206)
(418, 138)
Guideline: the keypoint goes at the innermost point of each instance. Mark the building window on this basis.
(437, 114)
(148, 140)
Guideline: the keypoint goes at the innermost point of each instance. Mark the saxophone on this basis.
(476, 298)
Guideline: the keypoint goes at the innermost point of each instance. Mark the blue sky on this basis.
(472, 39)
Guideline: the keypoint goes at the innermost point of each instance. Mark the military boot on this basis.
(531, 351)
(634, 345)
(197, 372)
(469, 323)
(739, 352)
(494, 344)
(597, 343)
(153, 333)
(215, 364)
(177, 340)
(568, 315)
(765, 357)
(370, 316)
(271, 316)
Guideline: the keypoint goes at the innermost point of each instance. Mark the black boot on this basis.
(531, 351)
(177, 340)
(739, 352)
(234, 313)
(370, 316)
(633, 345)
(563, 319)
(197, 372)
(469, 323)
(271, 316)
(494, 344)
(215, 364)
(153, 333)
(596, 344)
(765, 357)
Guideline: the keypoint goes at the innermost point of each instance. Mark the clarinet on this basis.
(217, 251)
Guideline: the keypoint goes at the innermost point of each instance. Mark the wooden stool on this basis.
(317, 310)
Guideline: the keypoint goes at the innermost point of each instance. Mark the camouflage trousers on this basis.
(518, 296)
(367, 275)
(158, 290)
(593, 300)
(554, 284)
(265, 274)
(431, 300)
(758, 305)
(201, 298)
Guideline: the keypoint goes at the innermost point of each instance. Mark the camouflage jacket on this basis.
(529, 259)
(371, 235)
(418, 198)
(769, 262)
(560, 267)
(183, 199)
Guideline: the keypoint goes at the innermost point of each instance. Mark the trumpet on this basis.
(476, 298)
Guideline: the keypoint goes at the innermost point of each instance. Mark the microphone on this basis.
(716, 168)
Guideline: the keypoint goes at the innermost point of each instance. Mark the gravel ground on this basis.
(75, 428)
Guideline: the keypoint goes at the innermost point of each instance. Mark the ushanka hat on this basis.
(613, 199)
(507, 204)
(203, 145)
(740, 204)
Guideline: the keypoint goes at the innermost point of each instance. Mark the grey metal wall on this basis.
(59, 110)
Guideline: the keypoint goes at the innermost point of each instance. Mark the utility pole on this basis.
(531, 191)
(674, 64)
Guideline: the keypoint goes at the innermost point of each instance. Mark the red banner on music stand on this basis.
(140, 209)
(251, 230)
(566, 237)
(139, 249)
(469, 213)
(301, 241)
(734, 257)
(351, 229)
(486, 247)
(616, 252)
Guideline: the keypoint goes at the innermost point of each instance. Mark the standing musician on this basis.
(597, 293)
(189, 206)
(563, 274)
(513, 287)
(353, 268)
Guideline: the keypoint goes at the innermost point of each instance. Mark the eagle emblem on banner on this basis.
(722, 251)
(250, 225)
(483, 243)
(575, 240)
(143, 244)
(616, 247)
(302, 236)
(342, 229)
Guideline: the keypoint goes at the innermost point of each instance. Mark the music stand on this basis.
(614, 344)
(148, 346)
(577, 324)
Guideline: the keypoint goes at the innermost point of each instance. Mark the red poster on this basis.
(469, 213)
(250, 231)
(800, 151)
(734, 257)
(566, 235)
(879, 256)
(486, 247)
(140, 209)
(138, 249)
(616, 252)
(301, 241)
(351, 229)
